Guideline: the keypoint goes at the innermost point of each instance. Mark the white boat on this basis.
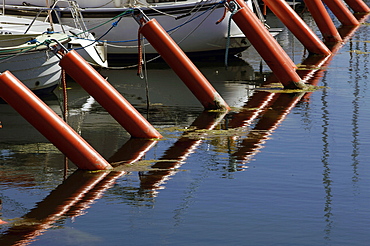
(34, 64)
(191, 23)
(29, 58)
(91, 51)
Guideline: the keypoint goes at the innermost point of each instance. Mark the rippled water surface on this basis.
(280, 169)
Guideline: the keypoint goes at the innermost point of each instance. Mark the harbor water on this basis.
(279, 169)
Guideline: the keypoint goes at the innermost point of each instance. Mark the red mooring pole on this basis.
(182, 66)
(268, 48)
(298, 27)
(107, 96)
(341, 11)
(358, 6)
(48, 123)
(323, 21)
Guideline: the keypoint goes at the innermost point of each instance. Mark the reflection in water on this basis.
(71, 198)
(326, 166)
(167, 89)
(273, 112)
(268, 108)
(357, 62)
(175, 156)
(346, 33)
(132, 151)
(355, 132)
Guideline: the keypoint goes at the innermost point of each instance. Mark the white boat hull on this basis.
(199, 35)
(28, 58)
(194, 28)
(91, 52)
(38, 70)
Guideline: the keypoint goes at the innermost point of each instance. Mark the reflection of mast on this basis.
(346, 33)
(326, 172)
(179, 152)
(354, 64)
(355, 132)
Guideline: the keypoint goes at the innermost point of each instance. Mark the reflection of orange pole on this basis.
(297, 26)
(323, 20)
(107, 96)
(93, 194)
(182, 66)
(70, 198)
(257, 104)
(273, 108)
(133, 150)
(319, 64)
(283, 104)
(358, 6)
(342, 12)
(269, 49)
(178, 153)
(50, 124)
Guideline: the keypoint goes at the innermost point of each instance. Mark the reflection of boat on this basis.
(95, 125)
(15, 130)
(28, 57)
(167, 89)
(191, 23)
(92, 52)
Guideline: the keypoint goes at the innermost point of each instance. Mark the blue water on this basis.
(298, 174)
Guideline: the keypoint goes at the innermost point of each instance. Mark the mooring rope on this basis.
(146, 85)
(140, 54)
(228, 36)
(65, 95)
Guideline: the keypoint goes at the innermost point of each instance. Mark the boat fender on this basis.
(117, 3)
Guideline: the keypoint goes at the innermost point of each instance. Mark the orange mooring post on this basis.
(182, 66)
(107, 96)
(323, 21)
(343, 14)
(297, 26)
(269, 49)
(46, 121)
(358, 6)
